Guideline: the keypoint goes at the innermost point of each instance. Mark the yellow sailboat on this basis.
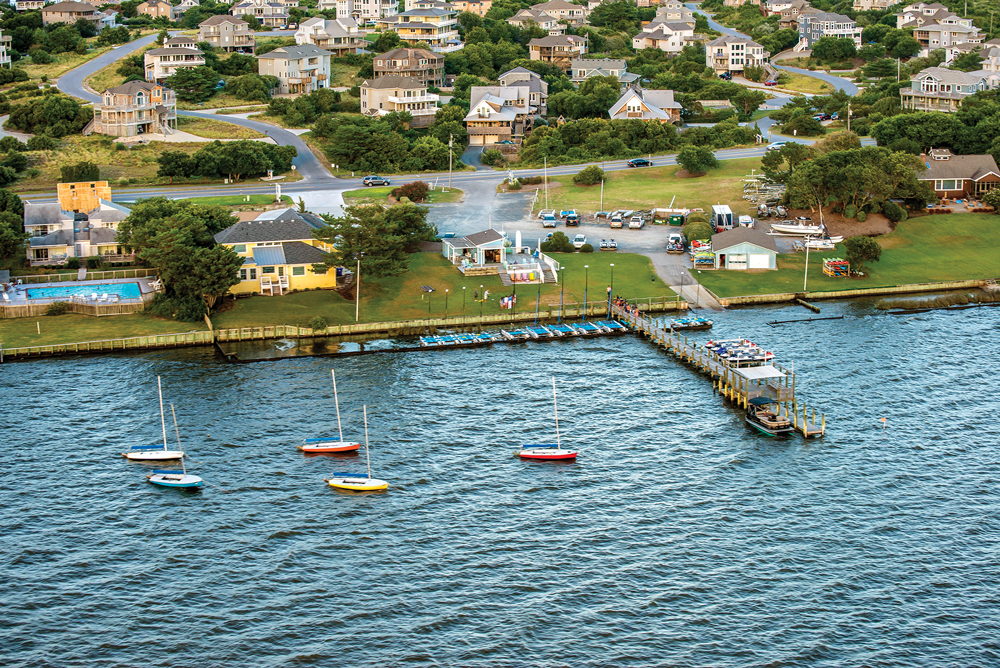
(356, 482)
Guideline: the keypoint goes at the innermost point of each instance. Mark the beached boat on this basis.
(358, 482)
(691, 323)
(156, 452)
(762, 415)
(549, 451)
(328, 444)
(797, 228)
(172, 477)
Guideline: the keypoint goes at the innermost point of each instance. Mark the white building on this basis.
(733, 54)
(668, 37)
(367, 11)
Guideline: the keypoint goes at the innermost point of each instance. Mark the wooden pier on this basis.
(737, 384)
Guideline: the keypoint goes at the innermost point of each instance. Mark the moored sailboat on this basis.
(356, 482)
(328, 444)
(172, 477)
(550, 451)
(156, 452)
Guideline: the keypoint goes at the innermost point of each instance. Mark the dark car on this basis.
(727, 76)
(572, 220)
(375, 181)
(770, 82)
(639, 162)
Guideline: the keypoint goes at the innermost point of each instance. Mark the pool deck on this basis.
(18, 295)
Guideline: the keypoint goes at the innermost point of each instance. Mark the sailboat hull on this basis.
(330, 446)
(180, 481)
(547, 454)
(358, 484)
(154, 455)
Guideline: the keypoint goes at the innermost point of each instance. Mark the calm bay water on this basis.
(679, 538)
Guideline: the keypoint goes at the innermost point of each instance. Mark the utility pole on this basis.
(545, 175)
(357, 291)
(451, 142)
(602, 195)
(848, 116)
(805, 273)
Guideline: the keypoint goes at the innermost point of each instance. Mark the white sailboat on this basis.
(326, 444)
(797, 228)
(155, 452)
(171, 477)
(548, 452)
(356, 482)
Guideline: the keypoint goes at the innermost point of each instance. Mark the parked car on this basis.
(776, 145)
(549, 220)
(639, 162)
(636, 222)
(728, 76)
(675, 243)
(609, 245)
(617, 220)
(835, 116)
(572, 220)
(770, 82)
(579, 241)
(546, 213)
(821, 117)
(505, 142)
(373, 180)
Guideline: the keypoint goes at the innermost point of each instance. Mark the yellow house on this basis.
(279, 250)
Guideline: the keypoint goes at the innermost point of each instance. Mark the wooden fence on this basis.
(910, 288)
(90, 276)
(198, 338)
(35, 310)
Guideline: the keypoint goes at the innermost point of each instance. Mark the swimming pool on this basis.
(123, 290)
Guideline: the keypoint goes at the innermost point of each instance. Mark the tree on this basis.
(12, 234)
(754, 73)
(377, 235)
(589, 176)
(237, 64)
(802, 125)
(195, 84)
(928, 129)
(992, 198)
(557, 243)
(697, 160)
(10, 202)
(175, 164)
(385, 42)
(748, 101)
(55, 115)
(833, 49)
(237, 159)
(81, 171)
(837, 141)
(781, 164)
(861, 250)
(967, 62)
(176, 238)
(881, 68)
(870, 52)
(251, 87)
(905, 47)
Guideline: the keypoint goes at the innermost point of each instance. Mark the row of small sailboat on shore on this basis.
(349, 481)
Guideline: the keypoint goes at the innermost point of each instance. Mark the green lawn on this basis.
(381, 193)
(239, 200)
(62, 62)
(803, 84)
(212, 129)
(921, 250)
(74, 328)
(402, 297)
(655, 186)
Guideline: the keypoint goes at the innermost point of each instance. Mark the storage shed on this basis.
(744, 248)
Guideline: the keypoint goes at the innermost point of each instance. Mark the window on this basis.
(948, 184)
(267, 270)
(298, 271)
(240, 248)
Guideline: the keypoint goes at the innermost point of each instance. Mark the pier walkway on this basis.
(738, 384)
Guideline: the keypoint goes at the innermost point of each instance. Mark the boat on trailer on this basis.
(173, 477)
(156, 452)
(549, 451)
(358, 482)
(329, 444)
(762, 415)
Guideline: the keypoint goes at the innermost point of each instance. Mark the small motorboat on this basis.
(796, 228)
(157, 452)
(762, 415)
(172, 477)
(329, 444)
(551, 451)
(691, 323)
(359, 482)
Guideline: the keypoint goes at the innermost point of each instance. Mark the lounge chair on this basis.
(114, 299)
(93, 296)
(6, 297)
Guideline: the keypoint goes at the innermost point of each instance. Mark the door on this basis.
(760, 261)
(737, 261)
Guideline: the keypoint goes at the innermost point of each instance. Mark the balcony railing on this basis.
(430, 97)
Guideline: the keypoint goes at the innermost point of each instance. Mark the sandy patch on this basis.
(837, 225)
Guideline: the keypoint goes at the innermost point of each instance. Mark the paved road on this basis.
(72, 83)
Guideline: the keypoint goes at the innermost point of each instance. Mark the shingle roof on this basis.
(949, 76)
(297, 252)
(173, 51)
(959, 166)
(557, 40)
(221, 18)
(70, 6)
(598, 63)
(278, 225)
(738, 235)
(409, 53)
(732, 39)
(44, 213)
(297, 51)
(392, 81)
(132, 87)
(484, 237)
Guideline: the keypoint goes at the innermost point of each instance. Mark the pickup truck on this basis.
(675, 243)
(636, 222)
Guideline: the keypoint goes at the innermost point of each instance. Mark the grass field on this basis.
(219, 100)
(72, 328)
(242, 110)
(803, 84)
(381, 193)
(402, 297)
(239, 200)
(342, 74)
(655, 186)
(920, 250)
(212, 129)
(61, 63)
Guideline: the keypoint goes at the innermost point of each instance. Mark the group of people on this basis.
(508, 302)
(626, 305)
(10, 287)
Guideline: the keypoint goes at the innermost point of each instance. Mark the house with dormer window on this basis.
(959, 176)
(941, 89)
(133, 109)
(498, 113)
(646, 105)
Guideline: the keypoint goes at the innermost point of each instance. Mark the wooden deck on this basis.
(726, 379)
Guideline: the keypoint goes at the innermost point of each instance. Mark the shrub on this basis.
(514, 185)
(558, 243)
(93, 262)
(860, 250)
(120, 146)
(586, 248)
(850, 211)
(415, 192)
(42, 143)
(697, 159)
(862, 216)
(697, 217)
(73, 263)
(802, 125)
(12, 144)
(318, 322)
(81, 171)
(493, 157)
(40, 56)
(697, 230)
(893, 211)
(57, 308)
(589, 176)
(532, 180)
(191, 309)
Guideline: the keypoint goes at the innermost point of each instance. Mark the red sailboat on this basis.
(549, 451)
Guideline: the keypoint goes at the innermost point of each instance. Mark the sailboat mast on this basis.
(555, 411)
(336, 402)
(163, 419)
(368, 453)
(177, 434)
